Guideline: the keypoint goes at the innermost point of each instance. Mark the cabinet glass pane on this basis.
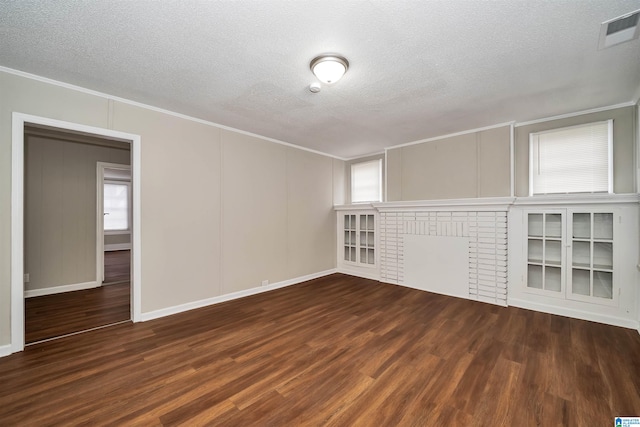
(353, 238)
(603, 226)
(581, 282)
(581, 225)
(363, 238)
(370, 239)
(535, 225)
(353, 254)
(534, 276)
(347, 253)
(603, 255)
(347, 222)
(553, 225)
(581, 254)
(363, 222)
(363, 255)
(370, 223)
(552, 252)
(602, 284)
(370, 256)
(552, 279)
(535, 251)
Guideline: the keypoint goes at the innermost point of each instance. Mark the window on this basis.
(366, 182)
(575, 159)
(116, 206)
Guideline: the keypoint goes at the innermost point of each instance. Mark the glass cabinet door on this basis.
(359, 238)
(367, 239)
(591, 256)
(350, 238)
(544, 251)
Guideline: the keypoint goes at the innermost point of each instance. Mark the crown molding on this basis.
(578, 113)
(157, 109)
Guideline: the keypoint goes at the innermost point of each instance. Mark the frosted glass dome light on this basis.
(329, 68)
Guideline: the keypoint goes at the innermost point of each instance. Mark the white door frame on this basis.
(17, 216)
(100, 167)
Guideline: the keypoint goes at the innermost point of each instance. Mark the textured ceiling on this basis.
(418, 68)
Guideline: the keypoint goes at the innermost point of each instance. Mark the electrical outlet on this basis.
(265, 282)
(26, 277)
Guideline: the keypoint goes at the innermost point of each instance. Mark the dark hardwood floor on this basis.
(335, 351)
(117, 266)
(54, 315)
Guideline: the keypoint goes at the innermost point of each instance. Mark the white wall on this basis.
(471, 165)
(215, 204)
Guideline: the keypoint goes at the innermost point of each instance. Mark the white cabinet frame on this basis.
(557, 259)
(358, 242)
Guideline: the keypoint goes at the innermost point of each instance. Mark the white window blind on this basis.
(116, 206)
(366, 182)
(575, 159)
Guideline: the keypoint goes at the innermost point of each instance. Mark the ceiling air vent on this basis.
(619, 30)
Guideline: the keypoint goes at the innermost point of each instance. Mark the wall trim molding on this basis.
(5, 350)
(376, 153)
(450, 135)
(354, 207)
(493, 204)
(156, 109)
(373, 275)
(576, 199)
(18, 121)
(163, 312)
(60, 289)
(577, 113)
(575, 314)
(117, 247)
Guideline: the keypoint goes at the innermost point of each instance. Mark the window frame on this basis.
(129, 198)
(352, 181)
(532, 135)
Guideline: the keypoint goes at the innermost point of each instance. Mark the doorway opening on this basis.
(54, 233)
(113, 222)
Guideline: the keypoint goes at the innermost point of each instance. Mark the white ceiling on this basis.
(418, 68)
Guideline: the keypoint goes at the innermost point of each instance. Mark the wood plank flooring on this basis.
(117, 266)
(335, 351)
(55, 315)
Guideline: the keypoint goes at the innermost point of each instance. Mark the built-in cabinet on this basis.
(576, 256)
(358, 237)
(571, 253)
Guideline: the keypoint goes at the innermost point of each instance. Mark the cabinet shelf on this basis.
(581, 266)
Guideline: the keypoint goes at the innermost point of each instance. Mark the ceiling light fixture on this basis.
(329, 68)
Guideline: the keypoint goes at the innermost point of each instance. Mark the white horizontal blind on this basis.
(576, 159)
(366, 182)
(116, 207)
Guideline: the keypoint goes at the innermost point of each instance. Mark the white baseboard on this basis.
(117, 247)
(373, 275)
(576, 314)
(60, 289)
(156, 314)
(5, 350)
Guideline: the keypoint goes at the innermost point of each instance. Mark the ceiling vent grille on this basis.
(619, 30)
